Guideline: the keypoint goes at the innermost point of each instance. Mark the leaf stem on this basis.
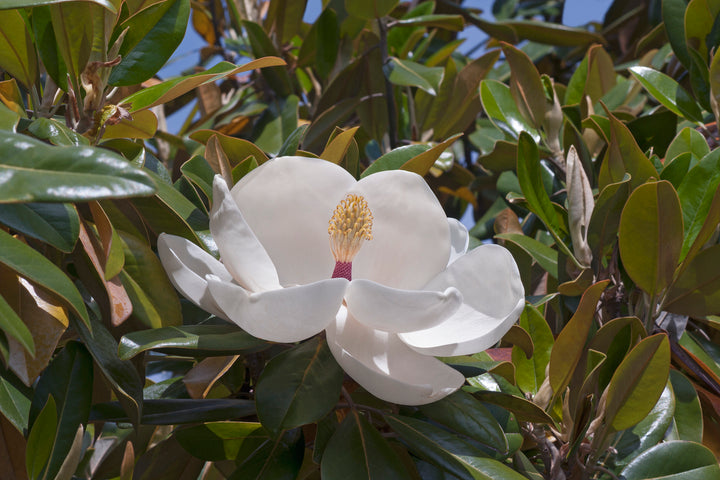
(389, 96)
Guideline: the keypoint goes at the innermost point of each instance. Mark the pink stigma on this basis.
(343, 270)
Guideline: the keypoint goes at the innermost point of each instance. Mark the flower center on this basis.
(350, 226)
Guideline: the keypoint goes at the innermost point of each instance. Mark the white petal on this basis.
(459, 239)
(241, 252)
(284, 315)
(489, 281)
(395, 310)
(386, 367)
(186, 265)
(288, 202)
(411, 239)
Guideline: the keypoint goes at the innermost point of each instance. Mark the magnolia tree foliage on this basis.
(588, 154)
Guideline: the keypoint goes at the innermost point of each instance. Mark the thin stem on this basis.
(389, 96)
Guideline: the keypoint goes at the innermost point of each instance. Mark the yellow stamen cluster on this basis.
(350, 226)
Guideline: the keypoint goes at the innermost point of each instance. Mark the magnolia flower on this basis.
(375, 263)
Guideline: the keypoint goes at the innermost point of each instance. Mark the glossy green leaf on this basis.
(500, 106)
(154, 300)
(32, 265)
(236, 149)
(56, 133)
(624, 156)
(678, 460)
(173, 411)
(152, 38)
(277, 77)
(552, 33)
(668, 92)
(191, 340)
(11, 4)
(524, 410)
(464, 414)
(215, 441)
(292, 142)
(17, 55)
(412, 74)
(647, 433)
(423, 162)
(687, 140)
(675, 170)
(358, 451)
(395, 159)
(73, 27)
(200, 173)
(650, 235)
(453, 23)
(286, 18)
(696, 193)
(12, 325)
(615, 339)
(370, 9)
(605, 219)
(448, 451)
(68, 379)
(570, 343)
(545, 256)
(696, 291)
(56, 224)
(320, 47)
(530, 372)
(526, 86)
(688, 416)
(40, 440)
(171, 89)
(14, 400)
(33, 171)
(276, 124)
(278, 458)
(638, 382)
(700, 17)
(673, 14)
(298, 387)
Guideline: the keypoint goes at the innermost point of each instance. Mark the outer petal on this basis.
(386, 367)
(284, 315)
(459, 239)
(288, 203)
(490, 283)
(241, 252)
(411, 238)
(395, 310)
(186, 265)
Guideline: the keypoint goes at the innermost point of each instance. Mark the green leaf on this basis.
(650, 235)
(545, 256)
(68, 380)
(688, 140)
(33, 171)
(277, 77)
(552, 33)
(624, 156)
(154, 299)
(688, 417)
(638, 382)
(453, 23)
(526, 86)
(464, 414)
(530, 372)
(524, 410)
(215, 441)
(673, 15)
(412, 74)
(369, 9)
(40, 440)
(696, 291)
(152, 38)
(14, 400)
(357, 451)
(278, 458)
(12, 4)
(56, 224)
(674, 461)
(570, 344)
(12, 325)
(17, 55)
(171, 89)
(696, 192)
(500, 106)
(298, 386)
(668, 92)
(191, 340)
(448, 451)
(176, 411)
(32, 265)
(73, 27)
(395, 159)
(605, 218)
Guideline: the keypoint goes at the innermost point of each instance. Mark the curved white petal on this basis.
(395, 310)
(288, 203)
(459, 239)
(241, 252)
(284, 315)
(386, 367)
(186, 265)
(411, 239)
(489, 281)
